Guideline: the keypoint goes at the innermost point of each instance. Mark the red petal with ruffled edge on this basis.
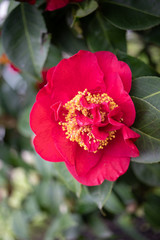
(100, 133)
(120, 146)
(108, 62)
(118, 79)
(75, 74)
(106, 169)
(112, 162)
(116, 91)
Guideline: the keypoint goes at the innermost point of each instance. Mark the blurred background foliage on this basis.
(38, 199)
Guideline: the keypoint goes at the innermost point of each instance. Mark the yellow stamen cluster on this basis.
(73, 131)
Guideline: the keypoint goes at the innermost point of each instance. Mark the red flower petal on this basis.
(114, 117)
(99, 134)
(56, 107)
(45, 147)
(55, 4)
(121, 145)
(108, 62)
(86, 75)
(40, 116)
(42, 125)
(49, 76)
(109, 168)
(129, 137)
(113, 162)
(85, 161)
(48, 130)
(121, 97)
(85, 104)
(109, 163)
(82, 120)
(125, 75)
(65, 147)
(91, 145)
(128, 109)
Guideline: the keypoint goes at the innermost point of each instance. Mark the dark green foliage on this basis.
(39, 199)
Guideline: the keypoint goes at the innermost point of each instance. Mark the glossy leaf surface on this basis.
(127, 17)
(25, 43)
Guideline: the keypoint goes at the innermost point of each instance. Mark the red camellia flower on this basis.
(82, 117)
(53, 4)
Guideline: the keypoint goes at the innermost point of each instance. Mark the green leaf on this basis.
(113, 204)
(23, 39)
(138, 67)
(8, 156)
(20, 225)
(85, 203)
(152, 209)
(31, 207)
(125, 222)
(147, 173)
(99, 227)
(101, 35)
(147, 6)
(124, 191)
(10, 100)
(58, 226)
(87, 9)
(147, 118)
(12, 5)
(14, 80)
(147, 124)
(126, 17)
(53, 58)
(149, 148)
(100, 194)
(68, 40)
(43, 167)
(23, 122)
(50, 195)
(147, 88)
(153, 36)
(146, 99)
(67, 178)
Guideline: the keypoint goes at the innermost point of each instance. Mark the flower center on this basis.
(86, 121)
